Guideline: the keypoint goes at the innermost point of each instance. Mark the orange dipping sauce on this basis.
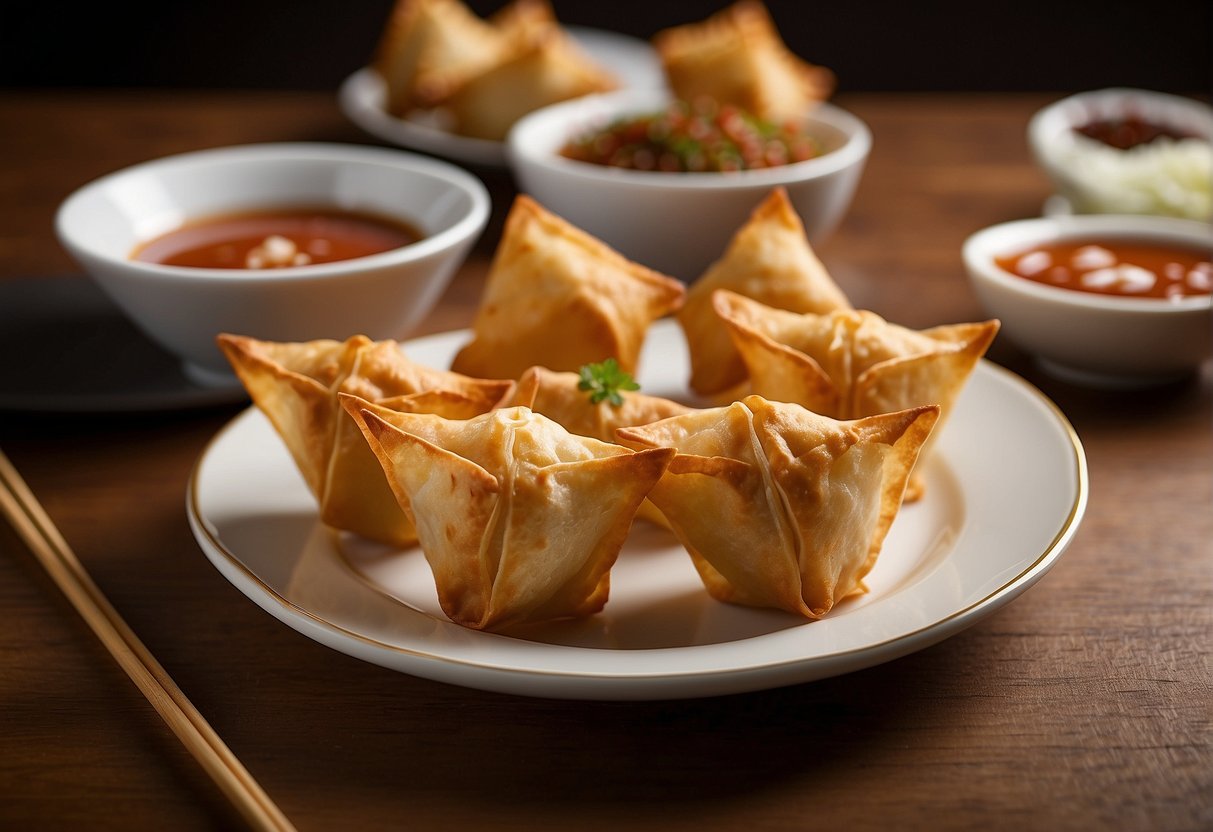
(274, 239)
(1125, 268)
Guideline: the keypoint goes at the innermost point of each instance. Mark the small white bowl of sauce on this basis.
(282, 242)
(1103, 300)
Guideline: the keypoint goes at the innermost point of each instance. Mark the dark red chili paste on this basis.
(1129, 131)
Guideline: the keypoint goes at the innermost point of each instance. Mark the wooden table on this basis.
(1084, 704)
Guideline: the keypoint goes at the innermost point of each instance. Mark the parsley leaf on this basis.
(605, 381)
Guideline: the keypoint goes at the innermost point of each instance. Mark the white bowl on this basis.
(1165, 178)
(1100, 340)
(677, 223)
(382, 295)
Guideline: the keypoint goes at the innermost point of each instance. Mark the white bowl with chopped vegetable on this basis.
(679, 221)
(1128, 151)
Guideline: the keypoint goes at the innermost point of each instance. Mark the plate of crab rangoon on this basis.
(618, 485)
(444, 80)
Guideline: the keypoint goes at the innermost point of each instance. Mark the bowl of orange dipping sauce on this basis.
(1105, 300)
(281, 242)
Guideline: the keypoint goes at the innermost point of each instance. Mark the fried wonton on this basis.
(737, 57)
(542, 66)
(559, 298)
(429, 47)
(779, 506)
(296, 385)
(478, 77)
(768, 259)
(852, 363)
(557, 396)
(520, 520)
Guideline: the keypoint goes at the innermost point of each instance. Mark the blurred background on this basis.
(882, 45)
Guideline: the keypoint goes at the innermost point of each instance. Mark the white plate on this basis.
(72, 350)
(1005, 494)
(362, 95)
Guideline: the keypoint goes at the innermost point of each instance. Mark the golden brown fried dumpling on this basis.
(557, 396)
(559, 298)
(768, 259)
(296, 385)
(520, 520)
(852, 363)
(542, 66)
(429, 47)
(781, 507)
(737, 57)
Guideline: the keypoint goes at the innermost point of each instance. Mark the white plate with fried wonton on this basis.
(1005, 493)
(362, 97)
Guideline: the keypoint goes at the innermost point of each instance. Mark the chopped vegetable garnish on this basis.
(685, 138)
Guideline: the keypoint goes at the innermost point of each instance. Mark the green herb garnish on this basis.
(605, 381)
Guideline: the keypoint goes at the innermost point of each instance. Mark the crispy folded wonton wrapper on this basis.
(559, 298)
(296, 385)
(770, 260)
(852, 363)
(520, 520)
(737, 57)
(542, 66)
(781, 507)
(429, 47)
(557, 396)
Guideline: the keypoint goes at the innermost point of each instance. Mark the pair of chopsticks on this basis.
(34, 526)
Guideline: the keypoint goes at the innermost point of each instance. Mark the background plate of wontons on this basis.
(1004, 495)
(362, 96)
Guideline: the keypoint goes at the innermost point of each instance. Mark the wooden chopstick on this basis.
(44, 540)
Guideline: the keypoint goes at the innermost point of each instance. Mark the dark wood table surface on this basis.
(1084, 704)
